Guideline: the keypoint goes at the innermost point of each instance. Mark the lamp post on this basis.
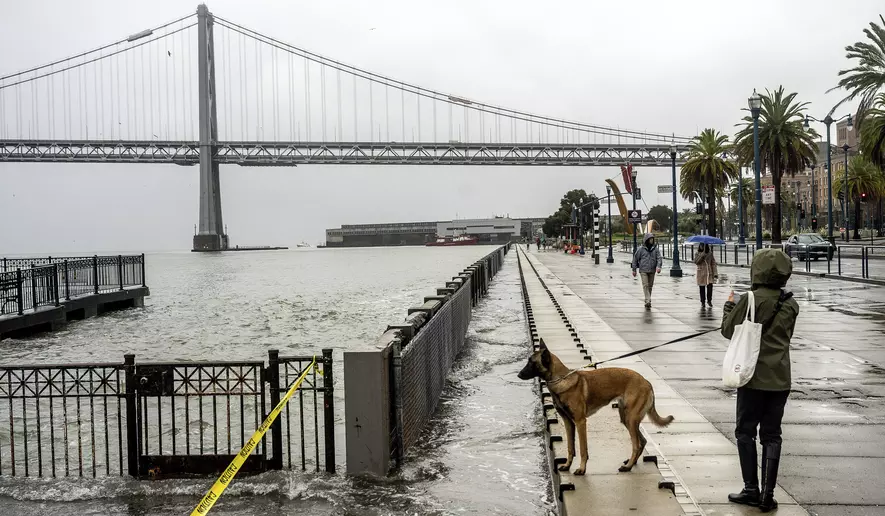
(608, 195)
(755, 102)
(676, 269)
(581, 223)
(828, 121)
(633, 189)
(847, 204)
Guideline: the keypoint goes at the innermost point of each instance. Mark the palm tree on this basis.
(707, 170)
(864, 177)
(748, 193)
(785, 146)
(872, 135)
(867, 77)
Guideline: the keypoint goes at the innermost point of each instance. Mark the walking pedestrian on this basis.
(760, 403)
(648, 261)
(706, 273)
(538, 242)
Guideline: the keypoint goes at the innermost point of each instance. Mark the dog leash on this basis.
(632, 353)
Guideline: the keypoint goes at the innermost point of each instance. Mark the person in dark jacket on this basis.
(648, 261)
(760, 403)
(706, 273)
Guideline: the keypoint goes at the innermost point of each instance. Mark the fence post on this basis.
(67, 283)
(18, 291)
(132, 450)
(276, 429)
(839, 259)
(329, 409)
(397, 360)
(34, 302)
(120, 270)
(4, 264)
(95, 272)
(143, 279)
(55, 281)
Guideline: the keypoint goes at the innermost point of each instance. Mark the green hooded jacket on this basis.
(769, 273)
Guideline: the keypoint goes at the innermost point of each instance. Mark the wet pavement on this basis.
(834, 425)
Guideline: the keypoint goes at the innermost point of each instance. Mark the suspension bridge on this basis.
(202, 90)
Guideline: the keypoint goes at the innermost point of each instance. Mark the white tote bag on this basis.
(743, 351)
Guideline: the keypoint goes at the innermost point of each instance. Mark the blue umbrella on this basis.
(705, 239)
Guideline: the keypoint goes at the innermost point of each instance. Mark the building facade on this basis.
(488, 231)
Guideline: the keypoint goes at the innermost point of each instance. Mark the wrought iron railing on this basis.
(31, 283)
(162, 419)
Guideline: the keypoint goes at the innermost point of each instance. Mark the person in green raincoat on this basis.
(761, 402)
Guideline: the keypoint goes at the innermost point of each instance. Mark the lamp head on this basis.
(850, 122)
(755, 102)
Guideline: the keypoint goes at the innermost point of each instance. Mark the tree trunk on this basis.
(776, 220)
(712, 196)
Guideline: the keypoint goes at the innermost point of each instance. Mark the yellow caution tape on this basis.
(227, 477)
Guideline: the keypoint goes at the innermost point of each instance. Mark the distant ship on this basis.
(452, 241)
(302, 244)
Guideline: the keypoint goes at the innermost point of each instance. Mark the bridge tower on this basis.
(211, 235)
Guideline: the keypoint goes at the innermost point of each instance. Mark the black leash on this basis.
(643, 350)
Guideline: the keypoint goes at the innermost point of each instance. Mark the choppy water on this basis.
(481, 454)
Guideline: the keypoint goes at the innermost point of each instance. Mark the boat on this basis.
(302, 244)
(452, 241)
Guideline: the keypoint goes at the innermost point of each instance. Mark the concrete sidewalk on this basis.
(834, 431)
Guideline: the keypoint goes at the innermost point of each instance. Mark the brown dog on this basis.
(577, 395)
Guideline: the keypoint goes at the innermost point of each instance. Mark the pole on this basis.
(741, 240)
(758, 180)
(847, 203)
(829, 120)
(676, 269)
(608, 194)
(633, 189)
(581, 225)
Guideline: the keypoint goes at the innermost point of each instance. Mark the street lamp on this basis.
(676, 269)
(633, 189)
(608, 196)
(828, 121)
(755, 102)
(581, 223)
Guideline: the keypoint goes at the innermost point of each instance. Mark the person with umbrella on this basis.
(706, 273)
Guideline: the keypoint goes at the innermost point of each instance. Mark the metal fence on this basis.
(393, 389)
(162, 419)
(30, 283)
(847, 260)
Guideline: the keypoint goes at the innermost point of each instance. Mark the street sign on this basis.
(767, 195)
(634, 216)
(665, 188)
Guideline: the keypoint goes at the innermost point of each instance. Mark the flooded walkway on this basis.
(834, 425)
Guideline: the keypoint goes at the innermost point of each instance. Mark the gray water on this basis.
(481, 454)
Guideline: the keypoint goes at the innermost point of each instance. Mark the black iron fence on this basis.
(162, 419)
(30, 283)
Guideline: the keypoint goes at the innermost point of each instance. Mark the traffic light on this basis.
(863, 197)
(801, 213)
(638, 194)
(814, 223)
(841, 195)
(698, 208)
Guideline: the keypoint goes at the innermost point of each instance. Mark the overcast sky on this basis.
(661, 66)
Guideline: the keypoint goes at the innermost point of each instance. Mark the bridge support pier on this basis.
(211, 235)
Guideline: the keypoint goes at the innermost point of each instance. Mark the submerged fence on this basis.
(162, 419)
(31, 283)
(394, 389)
